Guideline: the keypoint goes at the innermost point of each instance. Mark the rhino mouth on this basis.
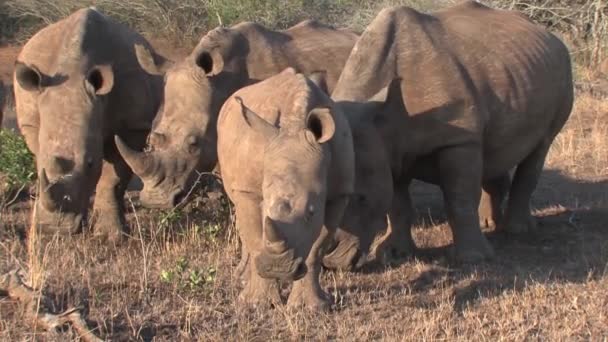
(277, 260)
(344, 255)
(62, 223)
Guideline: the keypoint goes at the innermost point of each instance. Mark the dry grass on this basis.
(175, 280)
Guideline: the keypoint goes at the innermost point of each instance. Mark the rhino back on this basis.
(73, 45)
(476, 75)
(308, 47)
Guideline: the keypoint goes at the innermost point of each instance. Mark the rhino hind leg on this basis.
(493, 195)
(460, 170)
(518, 216)
(110, 223)
(397, 244)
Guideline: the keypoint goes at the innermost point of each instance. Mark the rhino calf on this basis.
(469, 94)
(77, 84)
(287, 163)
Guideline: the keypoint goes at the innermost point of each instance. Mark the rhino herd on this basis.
(318, 132)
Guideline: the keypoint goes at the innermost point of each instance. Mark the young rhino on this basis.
(287, 163)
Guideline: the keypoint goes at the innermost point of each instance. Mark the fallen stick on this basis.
(11, 285)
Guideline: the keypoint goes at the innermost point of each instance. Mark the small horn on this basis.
(44, 194)
(274, 242)
(141, 163)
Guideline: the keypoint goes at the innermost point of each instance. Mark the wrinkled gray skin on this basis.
(366, 214)
(472, 93)
(78, 84)
(287, 163)
(184, 138)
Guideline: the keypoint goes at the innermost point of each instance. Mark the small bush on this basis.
(17, 165)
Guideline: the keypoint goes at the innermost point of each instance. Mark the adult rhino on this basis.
(77, 85)
(183, 142)
(473, 93)
(286, 155)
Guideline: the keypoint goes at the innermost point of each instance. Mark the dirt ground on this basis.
(175, 278)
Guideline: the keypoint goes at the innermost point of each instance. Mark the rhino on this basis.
(471, 93)
(77, 84)
(183, 142)
(287, 163)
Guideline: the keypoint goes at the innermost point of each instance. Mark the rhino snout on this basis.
(63, 223)
(161, 200)
(276, 260)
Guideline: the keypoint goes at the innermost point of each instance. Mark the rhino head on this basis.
(294, 189)
(183, 141)
(70, 141)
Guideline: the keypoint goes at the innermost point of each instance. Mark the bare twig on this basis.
(12, 285)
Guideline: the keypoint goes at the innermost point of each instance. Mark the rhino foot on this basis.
(487, 222)
(474, 253)
(520, 225)
(345, 256)
(394, 248)
(260, 293)
(308, 297)
(109, 227)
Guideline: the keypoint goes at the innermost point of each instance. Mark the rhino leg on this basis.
(110, 221)
(460, 170)
(398, 244)
(493, 195)
(307, 292)
(257, 290)
(518, 216)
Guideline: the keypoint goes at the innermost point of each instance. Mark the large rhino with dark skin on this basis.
(77, 84)
(287, 162)
(183, 141)
(472, 93)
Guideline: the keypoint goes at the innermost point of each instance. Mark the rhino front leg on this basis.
(460, 170)
(398, 244)
(518, 217)
(110, 220)
(493, 195)
(307, 292)
(257, 290)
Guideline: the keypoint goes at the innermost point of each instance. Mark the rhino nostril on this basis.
(179, 197)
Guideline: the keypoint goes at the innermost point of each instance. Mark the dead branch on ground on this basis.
(12, 285)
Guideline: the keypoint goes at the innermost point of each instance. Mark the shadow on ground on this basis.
(569, 246)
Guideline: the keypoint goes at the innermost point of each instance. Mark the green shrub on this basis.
(16, 161)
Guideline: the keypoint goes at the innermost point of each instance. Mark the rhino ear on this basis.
(212, 62)
(28, 77)
(319, 78)
(101, 79)
(147, 62)
(321, 124)
(255, 121)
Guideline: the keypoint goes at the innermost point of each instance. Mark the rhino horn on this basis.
(45, 193)
(141, 163)
(274, 242)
